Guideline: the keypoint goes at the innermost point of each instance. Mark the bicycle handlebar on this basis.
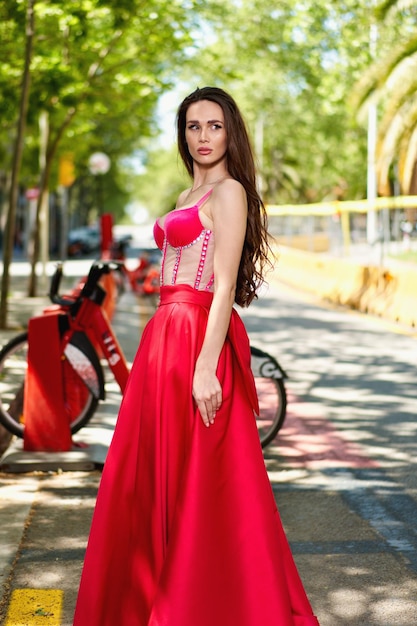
(55, 282)
(97, 270)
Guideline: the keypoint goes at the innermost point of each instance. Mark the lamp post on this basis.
(99, 164)
(371, 223)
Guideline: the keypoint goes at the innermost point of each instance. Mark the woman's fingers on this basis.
(208, 411)
(215, 406)
(208, 403)
(208, 397)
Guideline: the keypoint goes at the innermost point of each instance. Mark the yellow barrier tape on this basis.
(35, 607)
(340, 206)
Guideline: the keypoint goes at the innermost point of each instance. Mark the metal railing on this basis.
(340, 227)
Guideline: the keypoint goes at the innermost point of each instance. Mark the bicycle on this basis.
(86, 337)
(144, 279)
(272, 395)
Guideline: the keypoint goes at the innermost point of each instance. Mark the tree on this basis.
(292, 67)
(98, 69)
(17, 159)
(391, 81)
(105, 59)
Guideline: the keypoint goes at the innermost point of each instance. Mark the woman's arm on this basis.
(228, 207)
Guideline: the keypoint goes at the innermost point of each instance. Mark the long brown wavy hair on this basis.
(241, 166)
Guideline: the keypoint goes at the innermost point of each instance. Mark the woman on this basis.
(186, 530)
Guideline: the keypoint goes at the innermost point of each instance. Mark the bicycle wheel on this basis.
(272, 396)
(80, 398)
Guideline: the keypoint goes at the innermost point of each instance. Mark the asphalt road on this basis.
(343, 470)
(350, 434)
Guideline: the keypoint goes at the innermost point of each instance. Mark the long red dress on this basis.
(186, 531)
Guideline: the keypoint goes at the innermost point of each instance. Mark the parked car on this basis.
(83, 240)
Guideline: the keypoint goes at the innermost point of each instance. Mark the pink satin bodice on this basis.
(187, 248)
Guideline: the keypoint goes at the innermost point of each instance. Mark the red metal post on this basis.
(106, 225)
(47, 426)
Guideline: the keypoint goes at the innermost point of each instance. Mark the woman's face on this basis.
(205, 132)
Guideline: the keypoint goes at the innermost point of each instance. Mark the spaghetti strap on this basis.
(203, 199)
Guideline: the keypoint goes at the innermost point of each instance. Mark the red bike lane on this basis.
(308, 439)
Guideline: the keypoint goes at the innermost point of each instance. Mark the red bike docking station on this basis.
(47, 428)
(63, 378)
(47, 406)
(52, 378)
(64, 345)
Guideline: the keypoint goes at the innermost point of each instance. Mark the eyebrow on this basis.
(208, 121)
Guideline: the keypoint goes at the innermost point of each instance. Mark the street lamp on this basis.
(372, 192)
(99, 164)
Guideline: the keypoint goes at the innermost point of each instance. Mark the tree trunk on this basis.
(43, 188)
(50, 154)
(17, 160)
(411, 214)
(42, 202)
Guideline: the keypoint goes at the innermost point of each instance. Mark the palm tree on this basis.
(392, 82)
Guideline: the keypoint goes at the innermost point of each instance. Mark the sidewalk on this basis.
(350, 566)
(47, 498)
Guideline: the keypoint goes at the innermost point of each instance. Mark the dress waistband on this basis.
(185, 293)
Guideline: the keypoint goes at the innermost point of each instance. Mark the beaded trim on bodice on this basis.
(203, 239)
(186, 262)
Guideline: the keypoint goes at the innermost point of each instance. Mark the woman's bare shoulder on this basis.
(229, 192)
(230, 185)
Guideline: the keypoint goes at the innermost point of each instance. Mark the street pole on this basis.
(99, 164)
(259, 150)
(371, 224)
(44, 213)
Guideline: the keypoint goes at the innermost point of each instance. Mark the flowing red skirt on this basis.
(186, 531)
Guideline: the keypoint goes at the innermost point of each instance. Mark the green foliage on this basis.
(12, 31)
(98, 69)
(291, 67)
(391, 82)
(292, 70)
(162, 181)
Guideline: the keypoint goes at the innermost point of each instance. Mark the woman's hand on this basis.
(207, 393)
